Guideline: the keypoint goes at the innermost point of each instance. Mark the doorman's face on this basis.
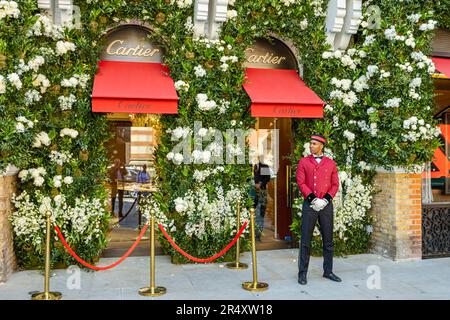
(315, 147)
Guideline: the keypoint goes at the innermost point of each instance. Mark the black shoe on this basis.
(302, 279)
(332, 277)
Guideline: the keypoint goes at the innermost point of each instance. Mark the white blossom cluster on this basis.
(32, 96)
(181, 3)
(34, 64)
(14, 79)
(418, 130)
(415, 83)
(224, 66)
(9, 9)
(202, 175)
(76, 80)
(371, 128)
(423, 61)
(351, 59)
(23, 123)
(180, 85)
(231, 14)
(199, 71)
(58, 180)
(62, 47)
(45, 27)
(204, 104)
(430, 25)
(81, 221)
(149, 207)
(41, 81)
(41, 139)
(211, 214)
(352, 203)
(37, 174)
(60, 157)
(349, 135)
(393, 103)
(72, 133)
(66, 103)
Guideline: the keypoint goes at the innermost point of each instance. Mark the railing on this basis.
(436, 230)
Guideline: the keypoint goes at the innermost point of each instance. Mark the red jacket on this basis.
(318, 178)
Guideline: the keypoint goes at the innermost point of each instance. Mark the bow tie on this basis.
(318, 157)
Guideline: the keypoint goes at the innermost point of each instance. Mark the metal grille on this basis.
(435, 230)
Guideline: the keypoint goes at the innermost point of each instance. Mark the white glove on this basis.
(319, 204)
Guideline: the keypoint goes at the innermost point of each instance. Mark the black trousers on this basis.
(113, 201)
(309, 220)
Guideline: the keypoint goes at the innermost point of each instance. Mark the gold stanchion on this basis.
(46, 295)
(254, 285)
(152, 291)
(237, 264)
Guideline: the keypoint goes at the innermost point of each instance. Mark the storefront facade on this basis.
(146, 107)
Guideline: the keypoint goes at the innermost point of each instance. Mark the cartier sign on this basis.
(270, 54)
(130, 43)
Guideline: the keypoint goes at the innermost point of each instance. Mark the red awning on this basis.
(281, 94)
(133, 87)
(442, 65)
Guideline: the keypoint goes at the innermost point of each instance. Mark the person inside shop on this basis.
(261, 175)
(117, 173)
(143, 176)
(318, 181)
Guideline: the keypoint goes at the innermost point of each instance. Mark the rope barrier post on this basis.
(254, 285)
(46, 295)
(237, 264)
(152, 291)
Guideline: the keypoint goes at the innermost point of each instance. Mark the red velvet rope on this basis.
(84, 263)
(214, 257)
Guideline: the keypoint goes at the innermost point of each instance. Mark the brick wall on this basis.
(7, 257)
(397, 213)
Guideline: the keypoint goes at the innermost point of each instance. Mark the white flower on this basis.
(41, 138)
(199, 71)
(14, 79)
(180, 205)
(204, 104)
(182, 3)
(23, 175)
(178, 158)
(369, 40)
(327, 54)
(39, 181)
(62, 47)
(66, 103)
(9, 9)
(231, 14)
(393, 103)
(32, 96)
(349, 135)
(72, 133)
(360, 84)
(170, 156)
(371, 70)
(390, 33)
(68, 180)
(303, 24)
(35, 63)
(41, 81)
(414, 17)
(349, 98)
(20, 127)
(181, 85)
(57, 181)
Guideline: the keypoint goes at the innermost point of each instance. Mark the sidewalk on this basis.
(423, 279)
